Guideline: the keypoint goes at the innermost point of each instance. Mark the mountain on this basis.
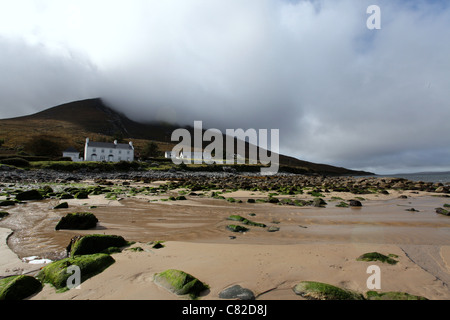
(71, 123)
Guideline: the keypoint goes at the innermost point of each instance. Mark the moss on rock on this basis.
(90, 265)
(29, 195)
(180, 283)
(322, 291)
(246, 221)
(77, 221)
(95, 243)
(18, 287)
(392, 295)
(236, 228)
(375, 256)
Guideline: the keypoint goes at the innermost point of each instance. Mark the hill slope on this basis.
(72, 122)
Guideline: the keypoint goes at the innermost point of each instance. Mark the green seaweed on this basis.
(18, 287)
(322, 291)
(56, 273)
(375, 256)
(180, 283)
(392, 295)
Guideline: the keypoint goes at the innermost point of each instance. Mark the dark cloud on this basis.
(338, 92)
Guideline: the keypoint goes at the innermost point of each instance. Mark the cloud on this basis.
(338, 92)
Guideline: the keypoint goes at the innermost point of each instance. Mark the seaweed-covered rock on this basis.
(18, 287)
(392, 295)
(273, 229)
(94, 243)
(62, 205)
(29, 195)
(3, 214)
(246, 221)
(376, 256)
(180, 283)
(355, 203)
(82, 195)
(319, 202)
(237, 292)
(322, 291)
(6, 203)
(90, 265)
(236, 228)
(77, 221)
(442, 211)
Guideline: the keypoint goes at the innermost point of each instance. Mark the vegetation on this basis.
(180, 283)
(246, 221)
(236, 228)
(375, 256)
(90, 265)
(95, 243)
(77, 221)
(373, 295)
(18, 287)
(322, 291)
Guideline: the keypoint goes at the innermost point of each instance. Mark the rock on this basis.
(56, 273)
(29, 195)
(237, 292)
(77, 221)
(18, 287)
(273, 229)
(94, 243)
(62, 205)
(6, 203)
(442, 211)
(355, 203)
(246, 221)
(412, 210)
(180, 283)
(319, 202)
(403, 197)
(65, 196)
(322, 291)
(373, 295)
(236, 228)
(375, 256)
(3, 214)
(82, 195)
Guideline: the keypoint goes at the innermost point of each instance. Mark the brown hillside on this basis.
(72, 122)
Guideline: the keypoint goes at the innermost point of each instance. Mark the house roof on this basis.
(109, 145)
(71, 149)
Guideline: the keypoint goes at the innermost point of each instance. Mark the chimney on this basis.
(115, 142)
(87, 140)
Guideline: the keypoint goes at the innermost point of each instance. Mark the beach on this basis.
(309, 243)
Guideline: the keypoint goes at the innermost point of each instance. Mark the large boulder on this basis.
(77, 221)
(18, 287)
(322, 291)
(94, 243)
(56, 273)
(29, 195)
(180, 283)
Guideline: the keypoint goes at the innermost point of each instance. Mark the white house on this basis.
(73, 154)
(106, 151)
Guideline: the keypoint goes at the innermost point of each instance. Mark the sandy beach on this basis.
(312, 244)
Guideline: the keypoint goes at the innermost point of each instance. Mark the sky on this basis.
(339, 92)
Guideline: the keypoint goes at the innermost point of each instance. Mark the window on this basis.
(128, 152)
(103, 150)
(94, 150)
(120, 151)
(110, 151)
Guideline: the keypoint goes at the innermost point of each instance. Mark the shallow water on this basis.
(204, 219)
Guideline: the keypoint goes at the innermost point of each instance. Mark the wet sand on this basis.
(319, 244)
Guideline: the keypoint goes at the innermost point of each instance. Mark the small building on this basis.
(107, 151)
(73, 154)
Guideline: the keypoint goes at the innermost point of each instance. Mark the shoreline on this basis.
(312, 244)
